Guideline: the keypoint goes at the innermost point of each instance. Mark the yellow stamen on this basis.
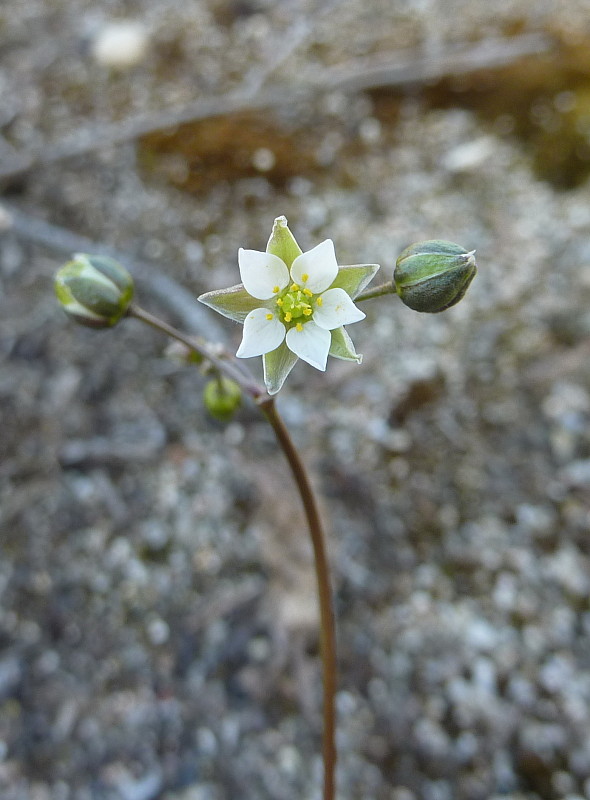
(318, 301)
(307, 311)
(269, 316)
(305, 277)
(288, 316)
(308, 292)
(280, 301)
(294, 287)
(299, 326)
(276, 289)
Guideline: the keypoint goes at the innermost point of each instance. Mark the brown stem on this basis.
(327, 628)
(223, 362)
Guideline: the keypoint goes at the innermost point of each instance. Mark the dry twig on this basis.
(358, 75)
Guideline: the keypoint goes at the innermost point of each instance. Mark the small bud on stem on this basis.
(94, 290)
(222, 398)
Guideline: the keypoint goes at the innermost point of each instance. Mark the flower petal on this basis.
(261, 335)
(319, 264)
(354, 278)
(336, 309)
(310, 343)
(234, 303)
(277, 365)
(342, 346)
(262, 273)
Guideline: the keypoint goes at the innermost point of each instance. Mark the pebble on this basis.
(120, 44)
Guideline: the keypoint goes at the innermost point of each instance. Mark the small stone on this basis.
(263, 159)
(562, 782)
(469, 155)
(481, 636)
(401, 793)
(437, 790)
(577, 474)
(10, 675)
(370, 130)
(158, 631)
(121, 44)
(568, 567)
(538, 520)
(289, 760)
(5, 219)
(207, 742)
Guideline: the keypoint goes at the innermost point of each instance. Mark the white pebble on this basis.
(469, 155)
(263, 159)
(158, 631)
(120, 45)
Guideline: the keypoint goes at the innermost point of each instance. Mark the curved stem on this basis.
(225, 363)
(327, 628)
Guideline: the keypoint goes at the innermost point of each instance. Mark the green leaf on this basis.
(282, 242)
(353, 279)
(342, 346)
(234, 303)
(277, 365)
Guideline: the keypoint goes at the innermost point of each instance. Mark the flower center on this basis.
(296, 305)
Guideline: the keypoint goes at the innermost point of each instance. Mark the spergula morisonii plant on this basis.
(293, 305)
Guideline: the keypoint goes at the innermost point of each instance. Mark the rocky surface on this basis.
(157, 620)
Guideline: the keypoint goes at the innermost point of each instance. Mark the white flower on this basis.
(293, 304)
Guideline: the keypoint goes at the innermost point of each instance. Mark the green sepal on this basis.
(234, 303)
(112, 270)
(353, 279)
(100, 299)
(277, 365)
(282, 242)
(342, 347)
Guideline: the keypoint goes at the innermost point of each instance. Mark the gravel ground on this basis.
(158, 636)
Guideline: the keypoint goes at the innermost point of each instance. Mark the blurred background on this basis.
(158, 634)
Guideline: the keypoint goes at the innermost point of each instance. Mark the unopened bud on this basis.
(94, 290)
(432, 276)
(222, 398)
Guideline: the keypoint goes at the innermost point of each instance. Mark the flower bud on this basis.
(432, 276)
(94, 290)
(222, 398)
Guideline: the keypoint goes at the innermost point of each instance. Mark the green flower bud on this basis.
(222, 398)
(94, 290)
(433, 276)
